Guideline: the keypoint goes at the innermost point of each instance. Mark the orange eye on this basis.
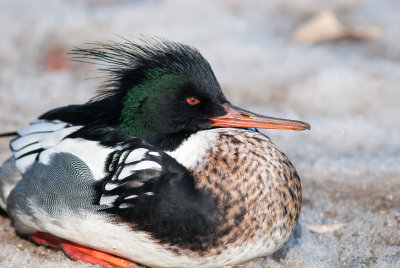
(192, 101)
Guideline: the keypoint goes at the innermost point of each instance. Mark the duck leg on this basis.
(82, 253)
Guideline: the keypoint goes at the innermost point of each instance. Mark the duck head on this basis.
(163, 92)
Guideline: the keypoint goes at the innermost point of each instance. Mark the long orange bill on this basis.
(237, 117)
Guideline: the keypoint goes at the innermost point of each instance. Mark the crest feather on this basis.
(126, 62)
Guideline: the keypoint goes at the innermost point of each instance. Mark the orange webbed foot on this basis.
(82, 253)
(47, 239)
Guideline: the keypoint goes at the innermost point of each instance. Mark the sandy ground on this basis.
(347, 90)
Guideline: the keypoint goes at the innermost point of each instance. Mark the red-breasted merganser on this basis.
(158, 169)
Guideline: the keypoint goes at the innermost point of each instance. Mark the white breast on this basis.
(194, 149)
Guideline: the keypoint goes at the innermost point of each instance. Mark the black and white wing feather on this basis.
(132, 173)
(149, 190)
(37, 137)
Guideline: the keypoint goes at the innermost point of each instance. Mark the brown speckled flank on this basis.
(257, 188)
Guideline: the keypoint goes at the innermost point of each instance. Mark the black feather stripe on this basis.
(37, 151)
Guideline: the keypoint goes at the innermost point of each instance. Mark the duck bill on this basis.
(237, 117)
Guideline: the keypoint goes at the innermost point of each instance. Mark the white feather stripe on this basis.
(146, 165)
(129, 170)
(131, 196)
(52, 139)
(123, 156)
(110, 186)
(27, 149)
(154, 153)
(126, 172)
(23, 141)
(136, 155)
(107, 200)
(42, 126)
(45, 139)
(125, 205)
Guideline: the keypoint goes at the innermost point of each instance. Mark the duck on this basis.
(158, 169)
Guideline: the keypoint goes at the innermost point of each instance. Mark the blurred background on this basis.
(334, 64)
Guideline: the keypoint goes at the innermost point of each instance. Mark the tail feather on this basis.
(8, 134)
